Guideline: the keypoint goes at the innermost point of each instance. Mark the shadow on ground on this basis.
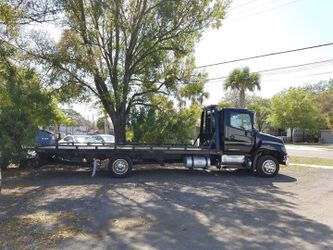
(165, 209)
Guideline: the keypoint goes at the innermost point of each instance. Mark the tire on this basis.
(120, 166)
(267, 166)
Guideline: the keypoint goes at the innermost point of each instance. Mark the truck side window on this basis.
(241, 121)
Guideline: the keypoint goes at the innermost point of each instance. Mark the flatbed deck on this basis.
(141, 147)
(140, 152)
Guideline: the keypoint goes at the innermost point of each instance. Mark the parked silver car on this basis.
(69, 139)
(103, 138)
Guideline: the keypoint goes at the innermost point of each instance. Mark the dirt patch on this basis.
(39, 230)
(124, 223)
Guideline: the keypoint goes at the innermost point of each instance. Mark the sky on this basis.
(255, 27)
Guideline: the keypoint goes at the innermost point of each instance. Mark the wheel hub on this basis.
(269, 167)
(120, 166)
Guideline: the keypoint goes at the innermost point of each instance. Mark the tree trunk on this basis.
(116, 112)
(119, 124)
(242, 98)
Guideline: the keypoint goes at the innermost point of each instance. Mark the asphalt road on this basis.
(169, 209)
(309, 151)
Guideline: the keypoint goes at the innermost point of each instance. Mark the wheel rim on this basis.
(120, 166)
(269, 167)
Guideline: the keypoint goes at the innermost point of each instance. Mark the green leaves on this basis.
(262, 107)
(24, 107)
(8, 17)
(295, 108)
(125, 52)
(163, 124)
(242, 80)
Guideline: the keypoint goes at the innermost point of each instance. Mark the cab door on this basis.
(238, 131)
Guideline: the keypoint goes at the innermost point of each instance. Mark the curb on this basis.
(310, 166)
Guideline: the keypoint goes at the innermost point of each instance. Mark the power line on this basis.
(243, 4)
(293, 77)
(265, 55)
(263, 11)
(295, 66)
(279, 68)
(255, 7)
(301, 76)
(225, 77)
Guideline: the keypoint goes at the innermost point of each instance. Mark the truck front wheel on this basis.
(120, 166)
(267, 166)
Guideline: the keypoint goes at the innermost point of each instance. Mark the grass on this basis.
(326, 147)
(311, 161)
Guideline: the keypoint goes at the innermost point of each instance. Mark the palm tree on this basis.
(242, 80)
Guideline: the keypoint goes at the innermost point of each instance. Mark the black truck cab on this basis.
(232, 132)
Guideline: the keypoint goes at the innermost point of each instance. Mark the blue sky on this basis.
(263, 26)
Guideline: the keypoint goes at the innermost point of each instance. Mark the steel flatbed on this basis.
(141, 152)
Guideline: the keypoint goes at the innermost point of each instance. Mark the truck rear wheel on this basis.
(120, 166)
(267, 166)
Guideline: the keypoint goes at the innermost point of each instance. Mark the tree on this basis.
(124, 52)
(295, 108)
(224, 104)
(194, 92)
(103, 124)
(329, 118)
(14, 13)
(242, 80)
(230, 99)
(323, 91)
(163, 124)
(76, 118)
(24, 107)
(262, 107)
(325, 100)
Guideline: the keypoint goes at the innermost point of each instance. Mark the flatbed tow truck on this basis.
(227, 139)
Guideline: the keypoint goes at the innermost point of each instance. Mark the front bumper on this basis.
(285, 160)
